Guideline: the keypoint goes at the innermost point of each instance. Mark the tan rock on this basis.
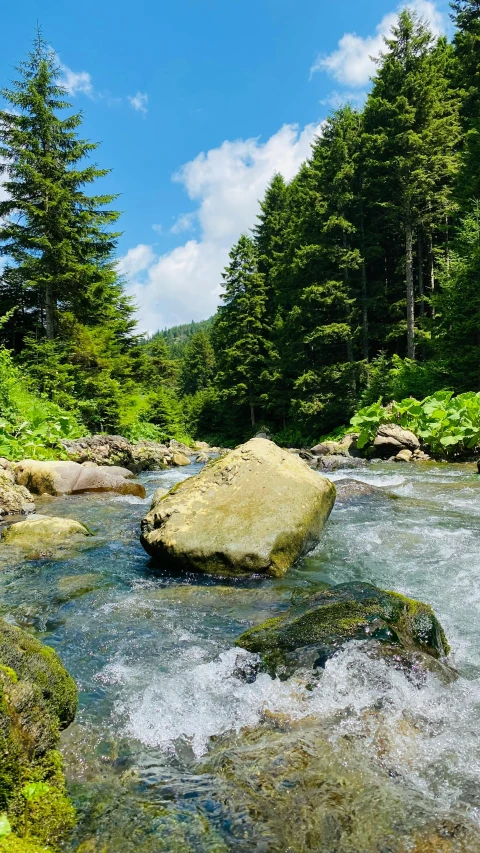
(157, 496)
(255, 510)
(41, 531)
(404, 456)
(179, 459)
(391, 438)
(14, 500)
(63, 478)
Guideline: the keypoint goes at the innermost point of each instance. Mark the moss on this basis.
(39, 665)
(14, 844)
(347, 612)
(37, 697)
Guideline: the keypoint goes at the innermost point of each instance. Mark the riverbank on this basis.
(153, 655)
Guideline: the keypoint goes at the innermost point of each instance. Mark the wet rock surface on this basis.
(313, 630)
(253, 511)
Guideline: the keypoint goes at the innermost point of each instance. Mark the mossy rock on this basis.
(315, 629)
(38, 664)
(37, 698)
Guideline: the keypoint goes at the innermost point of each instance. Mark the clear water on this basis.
(160, 756)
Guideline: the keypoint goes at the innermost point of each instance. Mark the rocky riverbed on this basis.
(183, 743)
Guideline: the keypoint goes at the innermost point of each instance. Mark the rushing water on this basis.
(173, 750)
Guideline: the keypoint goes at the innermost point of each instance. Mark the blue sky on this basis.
(196, 104)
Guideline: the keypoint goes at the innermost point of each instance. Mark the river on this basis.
(173, 750)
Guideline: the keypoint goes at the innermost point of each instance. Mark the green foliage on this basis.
(5, 828)
(448, 425)
(178, 337)
(31, 425)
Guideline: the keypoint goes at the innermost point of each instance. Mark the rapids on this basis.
(154, 758)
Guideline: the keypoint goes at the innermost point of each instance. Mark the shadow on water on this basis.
(173, 751)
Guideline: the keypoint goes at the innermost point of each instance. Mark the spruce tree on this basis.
(55, 236)
(239, 333)
(410, 139)
(198, 364)
(466, 77)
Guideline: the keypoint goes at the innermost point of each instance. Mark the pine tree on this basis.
(53, 234)
(411, 133)
(466, 78)
(198, 364)
(239, 334)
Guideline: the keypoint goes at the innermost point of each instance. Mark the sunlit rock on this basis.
(256, 510)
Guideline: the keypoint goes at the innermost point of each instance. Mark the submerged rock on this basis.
(69, 478)
(291, 785)
(37, 698)
(255, 510)
(42, 531)
(349, 490)
(311, 632)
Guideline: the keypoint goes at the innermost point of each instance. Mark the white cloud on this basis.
(136, 260)
(139, 102)
(227, 183)
(185, 222)
(158, 229)
(76, 82)
(352, 64)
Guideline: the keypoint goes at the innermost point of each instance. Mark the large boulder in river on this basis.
(317, 627)
(255, 510)
(69, 478)
(392, 438)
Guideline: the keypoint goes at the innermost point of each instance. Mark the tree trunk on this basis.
(409, 287)
(50, 311)
(350, 357)
(421, 291)
(431, 268)
(252, 414)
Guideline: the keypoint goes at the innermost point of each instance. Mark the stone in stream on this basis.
(349, 490)
(255, 510)
(41, 532)
(66, 478)
(333, 463)
(38, 698)
(313, 630)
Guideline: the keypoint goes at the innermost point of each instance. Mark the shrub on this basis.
(449, 426)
